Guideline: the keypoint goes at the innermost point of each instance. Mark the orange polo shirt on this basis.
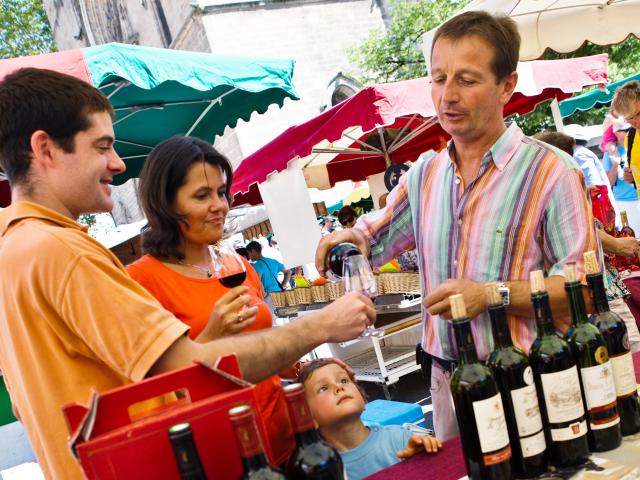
(71, 320)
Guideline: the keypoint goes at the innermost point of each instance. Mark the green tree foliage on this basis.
(394, 54)
(24, 28)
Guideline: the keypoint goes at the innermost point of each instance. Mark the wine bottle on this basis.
(511, 369)
(478, 405)
(254, 462)
(626, 231)
(558, 385)
(313, 458)
(614, 332)
(596, 375)
(186, 453)
(336, 255)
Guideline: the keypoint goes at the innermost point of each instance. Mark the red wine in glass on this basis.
(234, 280)
(227, 266)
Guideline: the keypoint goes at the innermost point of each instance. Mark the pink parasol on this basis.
(394, 123)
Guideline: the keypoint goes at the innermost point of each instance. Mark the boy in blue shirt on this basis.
(336, 402)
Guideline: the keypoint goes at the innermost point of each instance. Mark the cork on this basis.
(591, 265)
(570, 273)
(537, 282)
(623, 218)
(458, 309)
(493, 295)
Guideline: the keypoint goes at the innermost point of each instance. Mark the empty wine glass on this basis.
(226, 265)
(357, 276)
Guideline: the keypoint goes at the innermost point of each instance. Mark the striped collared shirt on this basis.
(525, 210)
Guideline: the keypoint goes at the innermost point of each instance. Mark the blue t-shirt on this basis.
(622, 191)
(268, 270)
(378, 451)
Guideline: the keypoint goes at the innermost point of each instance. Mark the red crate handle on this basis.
(199, 380)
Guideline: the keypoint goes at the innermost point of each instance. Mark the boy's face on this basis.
(332, 396)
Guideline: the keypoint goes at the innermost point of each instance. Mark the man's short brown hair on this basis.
(558, 139)
(626, 97)
(501, 32)
(34, 99)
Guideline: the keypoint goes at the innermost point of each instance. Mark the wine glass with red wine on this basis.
(227, 266)
(357, 276)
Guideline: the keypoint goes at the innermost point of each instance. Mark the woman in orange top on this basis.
(184, 192)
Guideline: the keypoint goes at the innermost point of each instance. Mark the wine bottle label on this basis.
(562, 395)
(491, 424)
(575, 430)
(533, 445)
(605, 422)
(527, 411)
(599, 389)
(527, 375)
(497, 457)
(248, 439)
(624, 377)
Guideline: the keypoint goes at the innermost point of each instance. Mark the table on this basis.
(447, 464)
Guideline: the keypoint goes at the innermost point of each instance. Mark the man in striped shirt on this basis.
(493, 206)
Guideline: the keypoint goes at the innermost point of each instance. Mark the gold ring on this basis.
(239, 318)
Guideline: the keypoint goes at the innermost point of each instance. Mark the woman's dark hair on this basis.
(163, 173)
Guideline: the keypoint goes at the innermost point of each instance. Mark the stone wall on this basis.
(316, 34)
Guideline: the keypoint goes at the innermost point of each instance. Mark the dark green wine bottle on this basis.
(514, 376)
(479, 409)
(313, 458)
(614, 332)
(596, 375)
(186, 453)
(558, 385)
(255, 465)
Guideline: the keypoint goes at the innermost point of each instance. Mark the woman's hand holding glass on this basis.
(231, 314)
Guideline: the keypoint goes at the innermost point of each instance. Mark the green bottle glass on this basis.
(478, 403)
(514, 376)
(614, 332)
(558, 385)
(596, 374)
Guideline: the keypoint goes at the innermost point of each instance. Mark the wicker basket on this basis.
(403, 282)
(279, 299)
(379, 284)
(291, 297)
(334, 290)
(303, 295)
(319, 294)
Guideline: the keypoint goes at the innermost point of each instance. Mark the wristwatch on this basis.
(504, 293)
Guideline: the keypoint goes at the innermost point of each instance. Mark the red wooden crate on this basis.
(110, 445)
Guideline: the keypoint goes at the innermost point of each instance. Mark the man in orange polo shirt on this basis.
(71, 318)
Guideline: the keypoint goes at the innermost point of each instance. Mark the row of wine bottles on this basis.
(313, 458)
(573, 395)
